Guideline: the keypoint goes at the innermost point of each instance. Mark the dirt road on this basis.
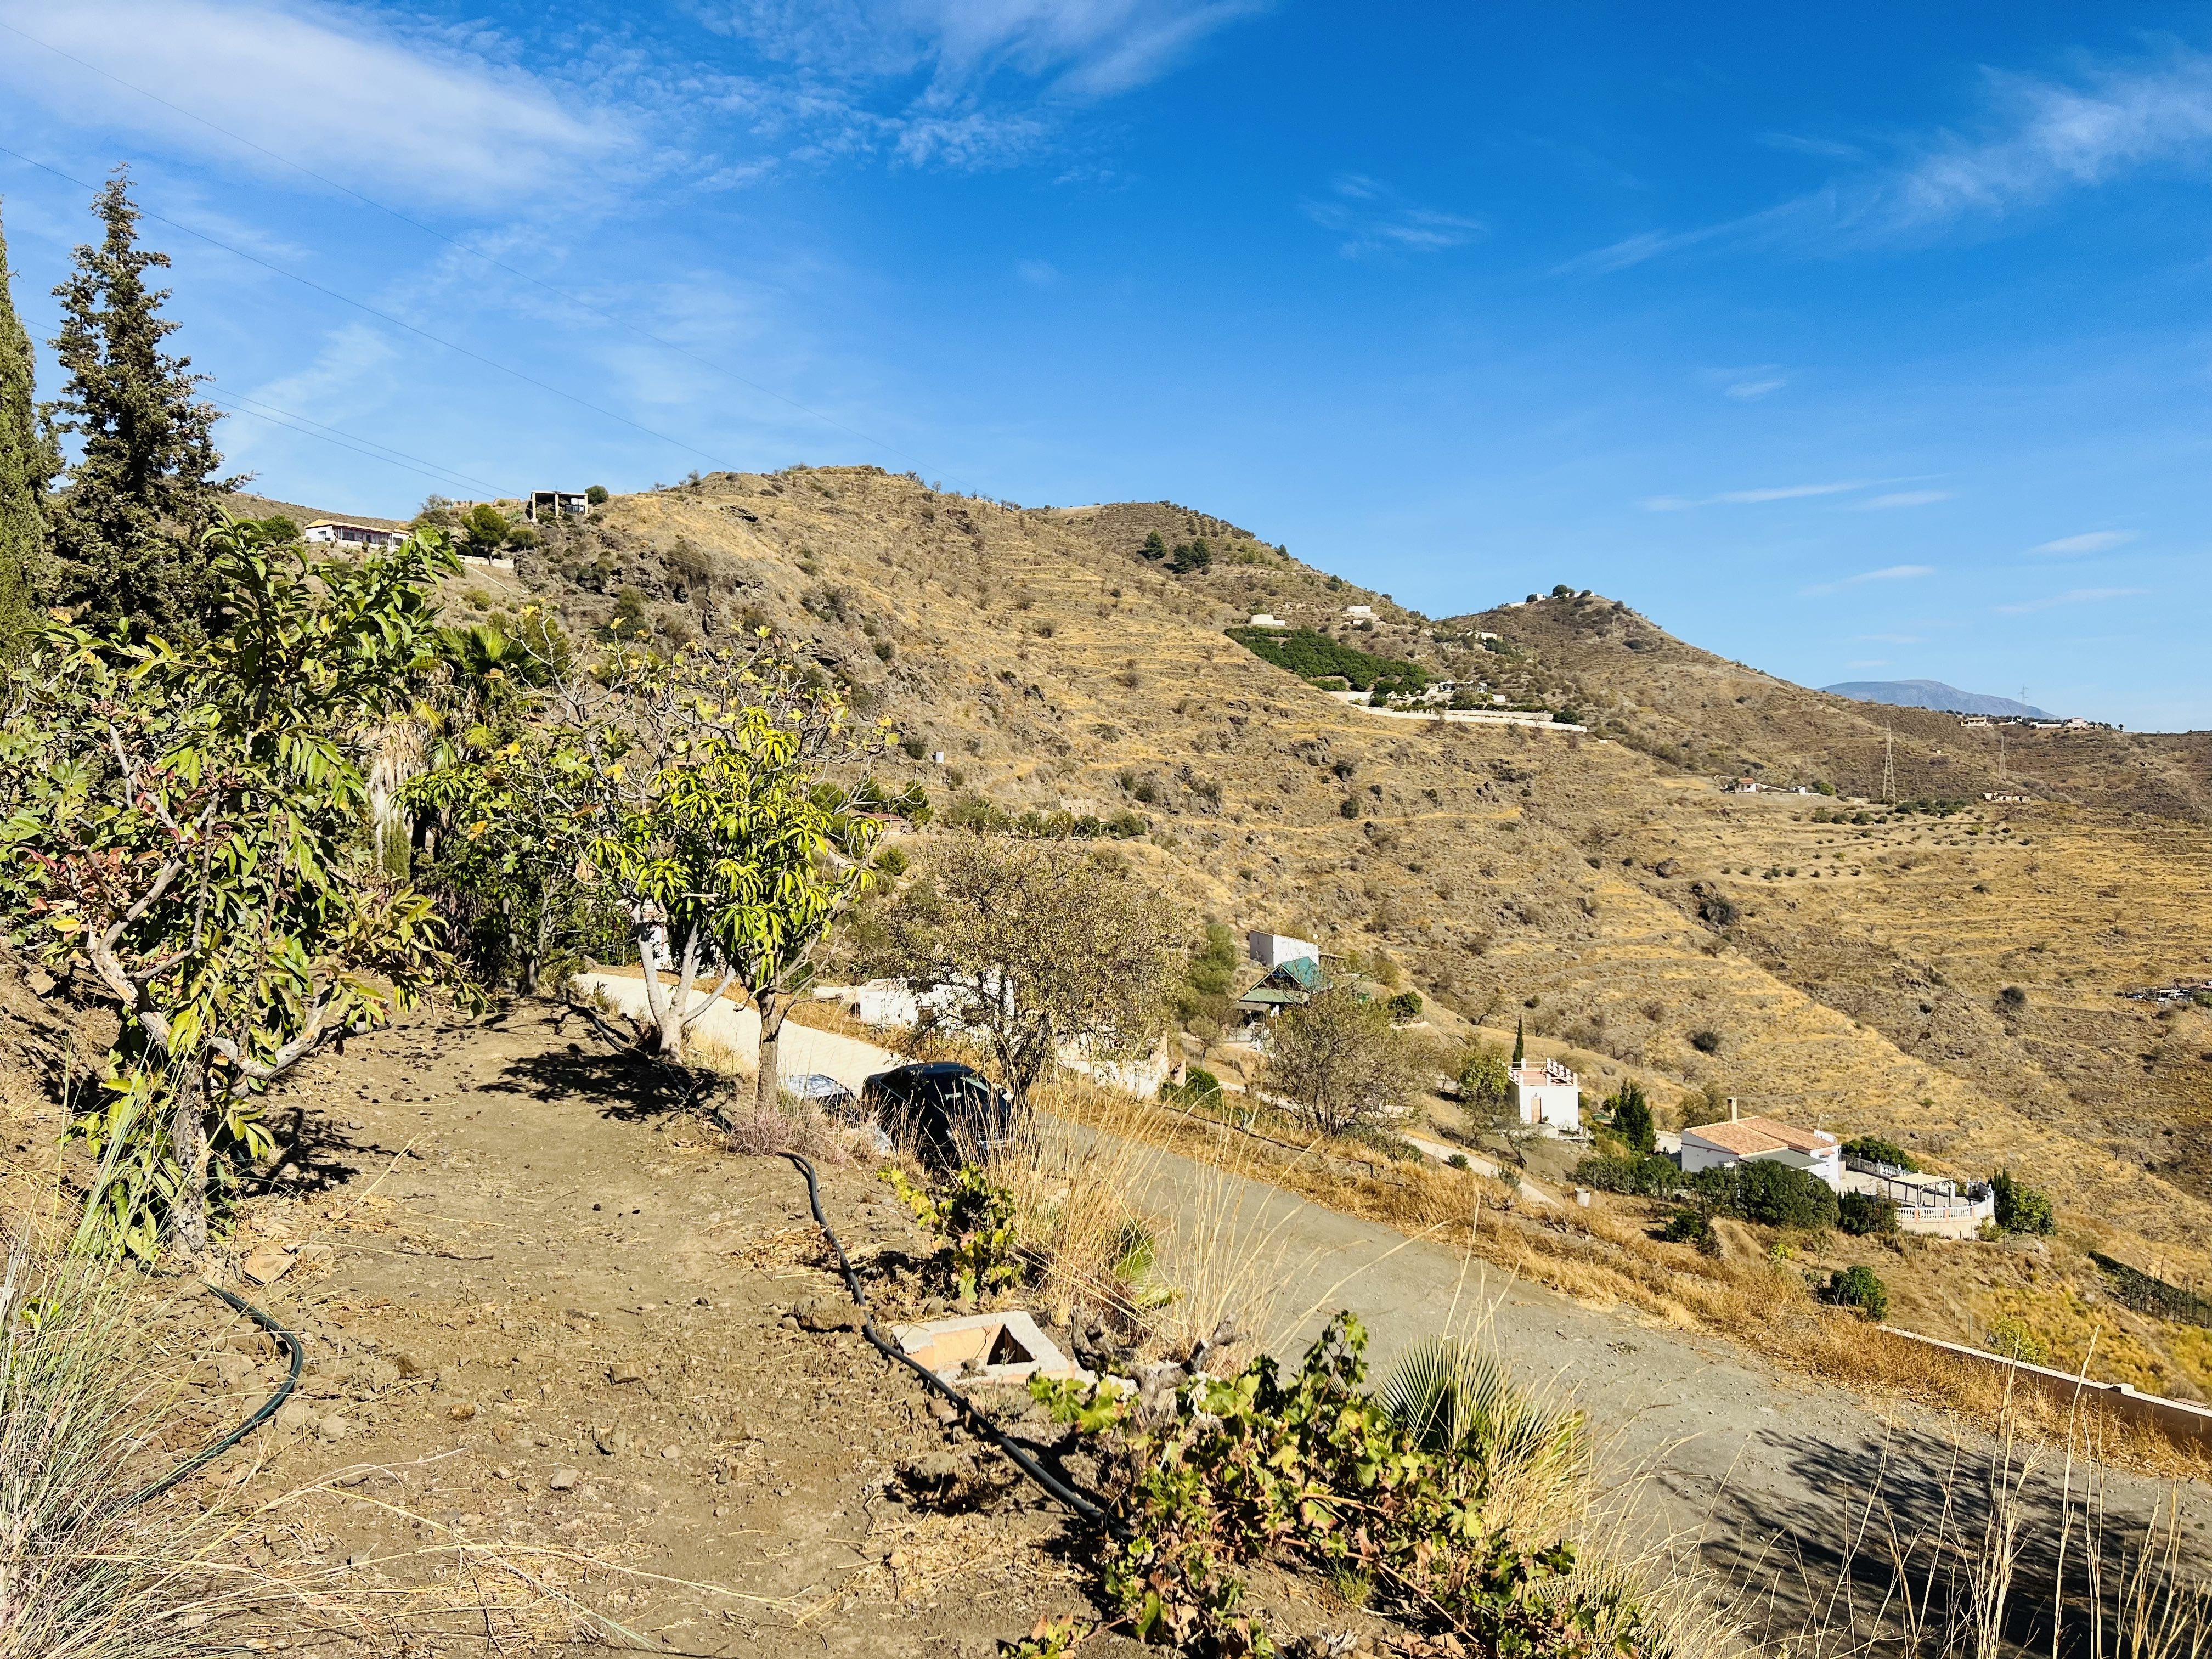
(1703, 1441)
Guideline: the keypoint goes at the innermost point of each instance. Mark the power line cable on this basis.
(497, 264)
(385, 316)
(364, 447)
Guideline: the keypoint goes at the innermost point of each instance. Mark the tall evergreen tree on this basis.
(145, 488)
(27, 465)
(1520, 1042)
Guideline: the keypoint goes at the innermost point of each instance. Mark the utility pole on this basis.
(1889, 765)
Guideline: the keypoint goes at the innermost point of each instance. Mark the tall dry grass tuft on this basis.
(86, 1415)
(2014, 1549)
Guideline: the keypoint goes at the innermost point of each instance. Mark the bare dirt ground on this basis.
(549, 1319)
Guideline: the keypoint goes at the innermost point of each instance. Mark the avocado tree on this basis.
(186, 824)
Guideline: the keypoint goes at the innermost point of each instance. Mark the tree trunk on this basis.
(188, 1138)
(671, 1026)
(772, 1007)
(648, 962)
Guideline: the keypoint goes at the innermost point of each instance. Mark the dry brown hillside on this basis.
(1853, 974)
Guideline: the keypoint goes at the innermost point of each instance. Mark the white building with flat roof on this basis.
(1273, 949)
(1548, 1093)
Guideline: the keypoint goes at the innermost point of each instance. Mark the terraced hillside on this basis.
(1849, 974)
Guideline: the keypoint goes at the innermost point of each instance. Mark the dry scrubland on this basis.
(1565, 880)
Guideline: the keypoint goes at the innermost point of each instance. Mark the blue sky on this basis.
(1864, 347)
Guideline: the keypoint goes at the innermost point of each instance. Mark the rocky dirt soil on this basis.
(547, 1314)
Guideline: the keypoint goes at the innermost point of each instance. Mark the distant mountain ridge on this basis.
(1933, 694)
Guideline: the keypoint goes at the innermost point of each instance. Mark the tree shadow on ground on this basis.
(626, 1085)
(1899, 1535)
(312, 1155)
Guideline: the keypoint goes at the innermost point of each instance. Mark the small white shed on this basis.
(1273, 949)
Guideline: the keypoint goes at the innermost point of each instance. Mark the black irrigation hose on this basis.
(292, 1345)
(1088, 1508)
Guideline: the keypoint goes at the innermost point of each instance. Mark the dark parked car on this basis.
(949, 1112)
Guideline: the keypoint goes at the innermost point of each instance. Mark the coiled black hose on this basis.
(1088, 1508)
(292, 1344)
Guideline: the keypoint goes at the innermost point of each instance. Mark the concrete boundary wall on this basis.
(2177, 1419)
(801, 1049)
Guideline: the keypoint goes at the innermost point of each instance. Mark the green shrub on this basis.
(1857, 1287)
(972, 1218)
(1651, 1177)
(1776, 1195)
(892, 862)
(1312, 655)
(1631, 1118)
(1874, 1150)
(2020, 1208)
(1483, 1079)
(1406, 1005)
(1199, 1087)
(1386, 1492)
(1689, 1226)
(1706, 1041)
(1864, 1215)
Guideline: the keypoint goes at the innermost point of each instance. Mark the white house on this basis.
(1273, 949)
(1359, 610)
(352, 535)
(1741, 1140)
(1261, 619)
(1546, 1092)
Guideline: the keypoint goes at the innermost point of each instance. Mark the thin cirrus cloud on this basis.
(2072, 596)
(462, 128)
(2038, 138)
(1748, 497)
(2094, 541)
(1904, 498)
(1747, 385)
(1895, 573)
(1372, 218)
(1078, 48)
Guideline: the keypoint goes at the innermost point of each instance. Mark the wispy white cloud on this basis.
(437, 115)
(1747, 385)
(1038, 273)
(1748, 497)
(1372, 218)
(2094, 541)
(2072, 596)
(1905, 498)
(1827, 148)
(1895, 573)
(2035, 138)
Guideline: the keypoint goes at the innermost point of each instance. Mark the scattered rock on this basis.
(460, 1410)
(40, 983)
(610, 1441)
(564, 1479)
(267, 1266)
(671, 1453)
(827, 1313)
(625, 1370)
(294, 1415)
(448, 1378)
(333, 1428)
(410, 1366)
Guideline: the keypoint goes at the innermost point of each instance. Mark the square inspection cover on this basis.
(993, 1347)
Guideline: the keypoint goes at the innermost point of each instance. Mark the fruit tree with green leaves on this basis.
(184, 825)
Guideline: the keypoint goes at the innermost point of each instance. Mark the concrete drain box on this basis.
(996, 1347)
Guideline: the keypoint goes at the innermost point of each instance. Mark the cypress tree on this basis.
(1520, 1042)
(27, 465)
(144, 490)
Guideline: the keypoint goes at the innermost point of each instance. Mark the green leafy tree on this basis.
(1631, 1117)
(1858, 1287)
(2021, 1208)
(1154, 547)
(27, 465)
(127, 527)
(1483, 1081)
(187, 822)
(484, 531)
(597, 496)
